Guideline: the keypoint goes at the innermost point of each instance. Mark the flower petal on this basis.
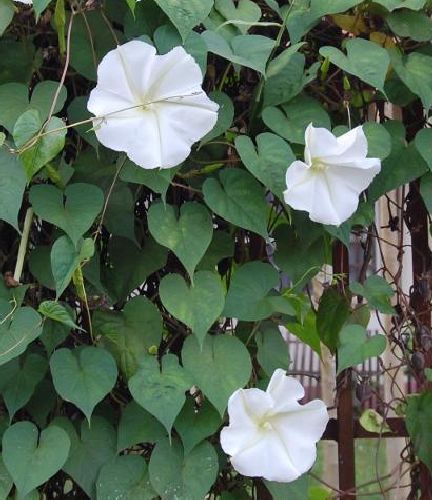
(353, 144)
(284, 391)
(268, 458)
(320, 142)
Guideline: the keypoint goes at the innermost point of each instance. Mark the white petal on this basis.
(330, 205)
(353, 144)
(320, 142)
(267, 458)
(300, 183)
(284, 391)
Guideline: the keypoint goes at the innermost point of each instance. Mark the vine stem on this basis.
(23, 245)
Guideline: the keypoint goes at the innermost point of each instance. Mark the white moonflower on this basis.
(270, 434)
(151, 107)
(335, 171)
(27, 2)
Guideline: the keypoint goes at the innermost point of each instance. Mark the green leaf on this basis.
(414, 25)
(219, 368)
(23, 377)
(89, 452)
(195, 424)
(188, 236)
(12, 186)
(418, 419)
(6, 14)
(125, 478)
(73, 210)
(198, 306)
(285, 76)
(119, 216)
(426, 190)
(129, 266)
(377, 292)
(158, 180)
(238, 198)
(248, 294)
(83, 376)
(32, 459)
(364, 59)
(273, 352)
(297, 490)
(372, 421)
(138, 426)
(174, 475)
(45, 148)
(6, 481)
(401, 4)
(225, 115)
(77, 112)
(333, 311)
(65, 259)
(269, 163)
(423, 142)
(42, 402)
(53, 334)
(291, 122)
(39, 6)
(355, 346)
(185, 14)
(378, 139)
(221, 247)
(251, 51)
(415, 71)
(24, 326)
(57, 312)
(245, 11)
(161, 392)
(130, 334)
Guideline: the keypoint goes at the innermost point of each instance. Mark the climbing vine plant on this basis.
(173, 173)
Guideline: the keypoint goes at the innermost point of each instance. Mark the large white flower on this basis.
(270, 434)
(335, 171)
(27, 2)
(151, 107)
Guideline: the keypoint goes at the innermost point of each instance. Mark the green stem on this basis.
(23, 245)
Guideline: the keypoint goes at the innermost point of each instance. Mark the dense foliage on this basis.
(136, 301)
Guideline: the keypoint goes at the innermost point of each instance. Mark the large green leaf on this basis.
(73, 210)
(423, 142)
(269, 162)
(188, 236)
(6, 481)
(220, 367)
(377, 292)
(245, 11)
(138, 426)
(6, 14)
(418, 423)
(83, 376)
(225, 115)
(415, 25)
(185, 14)
(21, 328)
(297, 490)
(12, 185)
(130, 334)
(364, 59)
(401, 4)
(248, 295)
(273, 352)
(161, 391)
(333, 311)
(195, 424)
(119, 218)
(22, 375)
(238, 198)
(174, 475)
(32, 459)
(355, 346)
(158, 180)
(89, 452)
(198, 306)
(251, 51)
(125, 478)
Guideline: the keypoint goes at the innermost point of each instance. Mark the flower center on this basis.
(265, 424)
(318, 165)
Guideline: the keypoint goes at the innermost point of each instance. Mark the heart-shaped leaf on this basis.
(188, 236)
(73, 210)
(364, 59)
(239, 199)
(89, 452)
(161, 392)
(269, 164)
(125, 477)
(247, 298)
(174, 475)
(194, 425)
(198, 306)
(222, 366)
(131, 333)
(83, 376)
(138, 426)
(355, 346)
(12, 185)
(245, 11)
(251, 51)
(24, 326)
(186, 14)
(32, 459)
